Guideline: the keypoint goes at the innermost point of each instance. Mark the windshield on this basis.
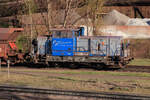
(62, 34)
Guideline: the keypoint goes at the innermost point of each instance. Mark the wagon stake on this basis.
(8, 66)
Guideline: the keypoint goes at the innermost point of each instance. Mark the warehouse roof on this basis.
(9, 33)
(127, 2)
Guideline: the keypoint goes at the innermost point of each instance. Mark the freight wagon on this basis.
(70, 46)
(8, 48)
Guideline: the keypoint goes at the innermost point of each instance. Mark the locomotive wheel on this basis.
(121, 65)
(56, 64)
(99, 66)
(48, 64)
(73, 66)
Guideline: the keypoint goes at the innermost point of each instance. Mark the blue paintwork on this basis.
(82, 31)
(62, 53)
(62, 47)
(101, 55)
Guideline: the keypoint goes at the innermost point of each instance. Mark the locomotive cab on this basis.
(64, 41)
(59, 43)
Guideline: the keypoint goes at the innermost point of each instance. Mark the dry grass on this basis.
(141, 62)
(80, 80)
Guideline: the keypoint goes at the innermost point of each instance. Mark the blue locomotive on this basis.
(70, 46)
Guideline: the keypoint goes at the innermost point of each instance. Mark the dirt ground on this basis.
(79, 80)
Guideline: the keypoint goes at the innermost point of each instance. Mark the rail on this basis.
(100, 95)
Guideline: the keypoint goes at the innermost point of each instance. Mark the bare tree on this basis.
(94, 10)
(59, 12)
(68, 7)
(25, 16)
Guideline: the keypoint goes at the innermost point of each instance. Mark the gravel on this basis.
(115, 18)
(138, 22)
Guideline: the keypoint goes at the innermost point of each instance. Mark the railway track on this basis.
(136, 69)
(129, 68)
(98, 95)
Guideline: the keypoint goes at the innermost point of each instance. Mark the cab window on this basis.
(62, 34)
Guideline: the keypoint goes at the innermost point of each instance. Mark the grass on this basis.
(140, 62)
(80, 80)
(80, 72)
(85, 72)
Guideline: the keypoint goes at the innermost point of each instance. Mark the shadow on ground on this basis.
(16, 96)
(27, 96)
(66, 66)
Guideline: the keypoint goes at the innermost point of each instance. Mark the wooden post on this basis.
(8, 66)
(0, 64)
